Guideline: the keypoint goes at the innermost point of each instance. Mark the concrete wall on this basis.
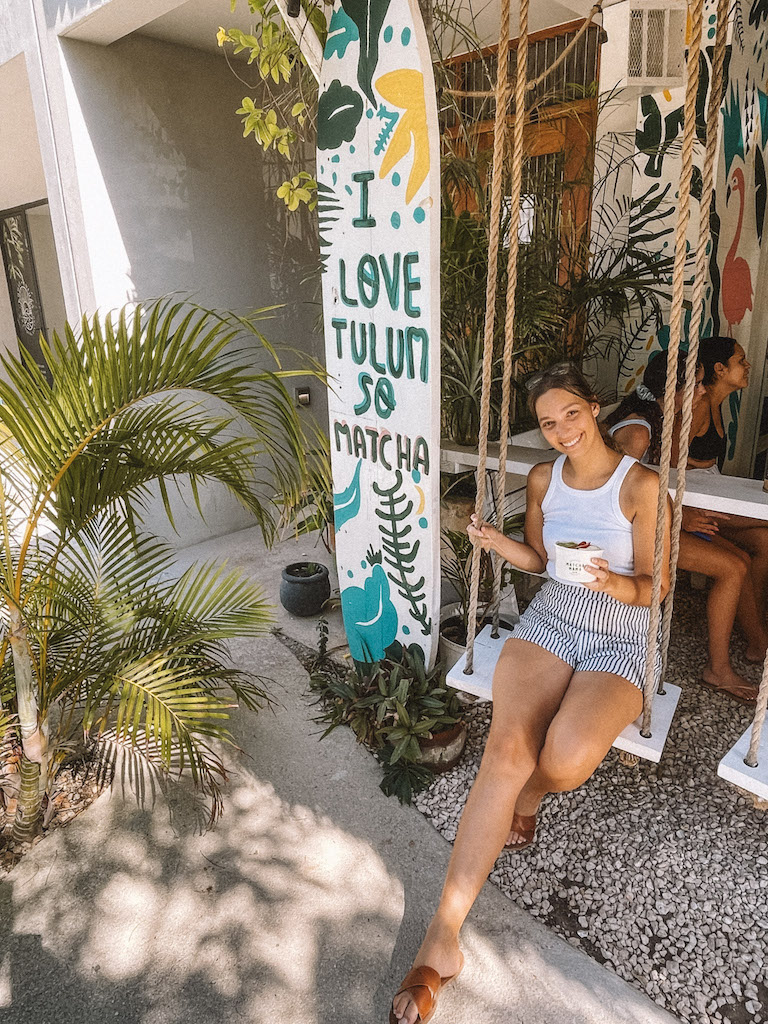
(175, 201)
(152, 188)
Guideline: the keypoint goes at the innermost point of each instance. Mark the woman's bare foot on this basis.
(731, 682)
(439, 950)
(527, 808)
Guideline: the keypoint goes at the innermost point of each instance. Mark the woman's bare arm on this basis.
(528, 555)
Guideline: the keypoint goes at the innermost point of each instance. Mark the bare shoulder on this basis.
(538, 480)
(641, 488)
(702, 414)
(633, 439)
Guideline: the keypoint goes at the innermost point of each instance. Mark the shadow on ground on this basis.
(305, 904)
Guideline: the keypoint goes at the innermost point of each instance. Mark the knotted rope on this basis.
(675, 326)
(757, 725)
(502, 85)
(700, 274)
(511, 305)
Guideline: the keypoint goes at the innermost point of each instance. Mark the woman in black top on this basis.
(726, 370)
(636, 426)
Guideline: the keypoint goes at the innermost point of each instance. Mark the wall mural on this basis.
(378, 170)
(737, 218)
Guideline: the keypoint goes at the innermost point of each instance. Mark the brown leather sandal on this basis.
(745, 694)
(525, 826)
(423, 984)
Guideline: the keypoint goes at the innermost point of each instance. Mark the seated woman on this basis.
(726, 370)
(570, 679)
(636, 426)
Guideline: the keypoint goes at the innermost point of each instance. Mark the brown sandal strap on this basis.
(525, 825)
(423, 985)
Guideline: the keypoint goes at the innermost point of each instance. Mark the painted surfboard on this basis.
(378, 173)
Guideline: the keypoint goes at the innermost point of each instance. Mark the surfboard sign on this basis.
(378, 174)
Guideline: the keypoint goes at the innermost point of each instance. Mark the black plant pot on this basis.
(303, 593)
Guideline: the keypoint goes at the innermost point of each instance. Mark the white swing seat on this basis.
(733, 769)
(487, 651)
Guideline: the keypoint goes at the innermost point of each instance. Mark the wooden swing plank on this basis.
(652, 747)
(733, 769)
(479, 684)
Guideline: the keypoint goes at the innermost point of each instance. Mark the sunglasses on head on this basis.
(558, 370)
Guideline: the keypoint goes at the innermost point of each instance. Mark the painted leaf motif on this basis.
(370, 617)
(733, 140)
(369, 17)
(341, 32)
(346, 505)
(339, 110)
(760, 195)
(405, 89)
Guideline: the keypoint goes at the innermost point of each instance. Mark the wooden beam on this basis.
(303, 31)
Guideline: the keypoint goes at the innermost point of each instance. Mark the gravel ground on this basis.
(659, 872)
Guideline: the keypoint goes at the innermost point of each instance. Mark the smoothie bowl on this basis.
(571, 557)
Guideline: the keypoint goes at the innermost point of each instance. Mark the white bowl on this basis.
(570, 562)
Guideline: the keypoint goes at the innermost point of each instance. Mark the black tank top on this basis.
(709, 446)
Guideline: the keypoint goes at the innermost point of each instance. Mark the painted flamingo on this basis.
(737, 279)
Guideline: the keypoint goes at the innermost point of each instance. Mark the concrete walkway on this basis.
(304, 906)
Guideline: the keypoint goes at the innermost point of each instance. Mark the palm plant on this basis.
(93, 624)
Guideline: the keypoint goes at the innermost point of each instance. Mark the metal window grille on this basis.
(572, 80)
(656, 42)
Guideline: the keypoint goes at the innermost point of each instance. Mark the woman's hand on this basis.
(598, 567)
(486, 534)
(696, 520)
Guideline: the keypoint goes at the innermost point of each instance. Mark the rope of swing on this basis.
(502, 85)
(675, 325)
(700, 275)
(516, 186)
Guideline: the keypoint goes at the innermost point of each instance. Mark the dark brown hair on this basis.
(567, 377)
(715, 350)
(655, 379)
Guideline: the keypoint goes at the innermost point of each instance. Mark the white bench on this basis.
(732, 495)
(728, 494)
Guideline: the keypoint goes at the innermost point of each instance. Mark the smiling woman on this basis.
(570, 679)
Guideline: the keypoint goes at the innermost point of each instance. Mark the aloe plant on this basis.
(94, 626)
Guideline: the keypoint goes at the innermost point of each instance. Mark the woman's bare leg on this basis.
(750, 617)
(596, 708)
(528, 687)
(731, 593)
(752, 536)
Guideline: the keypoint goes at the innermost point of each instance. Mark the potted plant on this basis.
(304, 588)
(402, 711)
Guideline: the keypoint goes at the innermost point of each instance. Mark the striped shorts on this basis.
(590, 631)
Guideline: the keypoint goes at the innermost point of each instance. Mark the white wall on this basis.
(174, 200)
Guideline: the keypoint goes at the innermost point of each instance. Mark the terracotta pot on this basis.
(442, 751)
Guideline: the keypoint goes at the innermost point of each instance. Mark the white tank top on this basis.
(628, 422)
(594, 516)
